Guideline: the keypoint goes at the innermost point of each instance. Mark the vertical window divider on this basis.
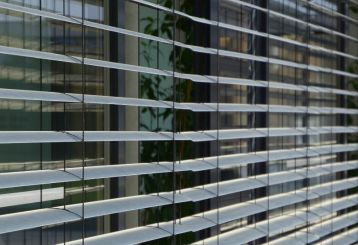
(253, 98)
(174, 119)
(267, 123)
(157, 117)
(217, 121)
(83, 146)
(321, 120)
(295, 103)
(64, 117)
(41, 125)
(333, 176)
(307, 115)
(343, 82)
(281, 92)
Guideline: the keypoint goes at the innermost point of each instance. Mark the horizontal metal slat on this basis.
(218, 23)
(316, 232)
(37, 177)
(118, 205)
(347, 237)
(12, 137)
(276, 225)
(195, 223)
(194, 48)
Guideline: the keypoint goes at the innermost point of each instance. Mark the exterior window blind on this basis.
(178, 122)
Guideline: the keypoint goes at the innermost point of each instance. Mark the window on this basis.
(178, 122)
